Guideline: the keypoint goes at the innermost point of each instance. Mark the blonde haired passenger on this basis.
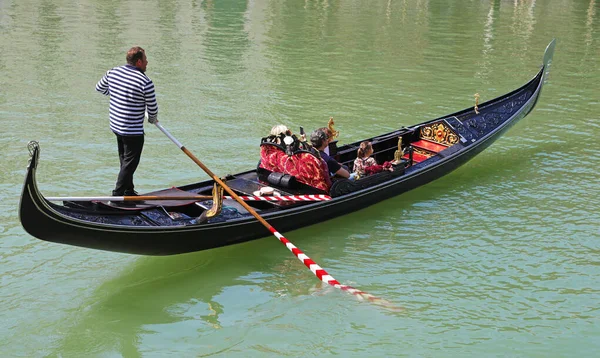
(278, 129)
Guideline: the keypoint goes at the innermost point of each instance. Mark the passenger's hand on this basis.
(352, 176)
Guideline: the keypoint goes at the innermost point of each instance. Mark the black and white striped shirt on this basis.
(131, 94)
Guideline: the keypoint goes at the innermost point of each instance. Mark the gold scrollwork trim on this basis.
(439, 133)
(423, 152)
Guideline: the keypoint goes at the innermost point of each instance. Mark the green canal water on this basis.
(499, 258)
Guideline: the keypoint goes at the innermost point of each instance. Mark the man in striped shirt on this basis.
(131, 95)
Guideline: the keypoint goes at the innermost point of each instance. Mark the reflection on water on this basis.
(205, 291)
(49, 27)
(524, 20)
(169, 34)
(112, 24)
(226, 39)
(488, 37)
(591, 12)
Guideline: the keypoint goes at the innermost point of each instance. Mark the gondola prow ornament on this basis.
(215, 210)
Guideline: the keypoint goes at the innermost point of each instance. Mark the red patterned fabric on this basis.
(373, 169)
(307, 168)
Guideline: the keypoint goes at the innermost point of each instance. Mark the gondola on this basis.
(420, 153)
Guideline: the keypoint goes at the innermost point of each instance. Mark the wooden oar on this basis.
(189, 197)
(127, 198)
(307, 261)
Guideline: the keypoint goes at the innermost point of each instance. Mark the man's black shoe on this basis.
(133, 193)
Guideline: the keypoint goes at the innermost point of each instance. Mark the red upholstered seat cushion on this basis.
(306, 167)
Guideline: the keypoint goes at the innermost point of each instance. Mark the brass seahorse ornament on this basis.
(334, 133)
(398, 153)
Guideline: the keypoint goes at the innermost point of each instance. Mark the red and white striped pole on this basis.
(326, 277)
(311, 197)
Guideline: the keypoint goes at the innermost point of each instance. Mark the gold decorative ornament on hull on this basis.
(439, 133)
(217, 201)
(424, 152)
(216, 206)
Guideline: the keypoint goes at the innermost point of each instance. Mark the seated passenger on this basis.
(364, 164)
(283, 136)
(277, 131)
(320, 141)
(275, 136)
(329, 138)
(363, 158)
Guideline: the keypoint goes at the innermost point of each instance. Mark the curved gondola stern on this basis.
(26, 206)
(29, 213)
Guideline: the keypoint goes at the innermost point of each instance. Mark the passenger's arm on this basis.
(343, 173)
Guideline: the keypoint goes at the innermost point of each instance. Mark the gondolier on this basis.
(131, 95)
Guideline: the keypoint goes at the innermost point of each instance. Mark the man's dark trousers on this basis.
(130, 152)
